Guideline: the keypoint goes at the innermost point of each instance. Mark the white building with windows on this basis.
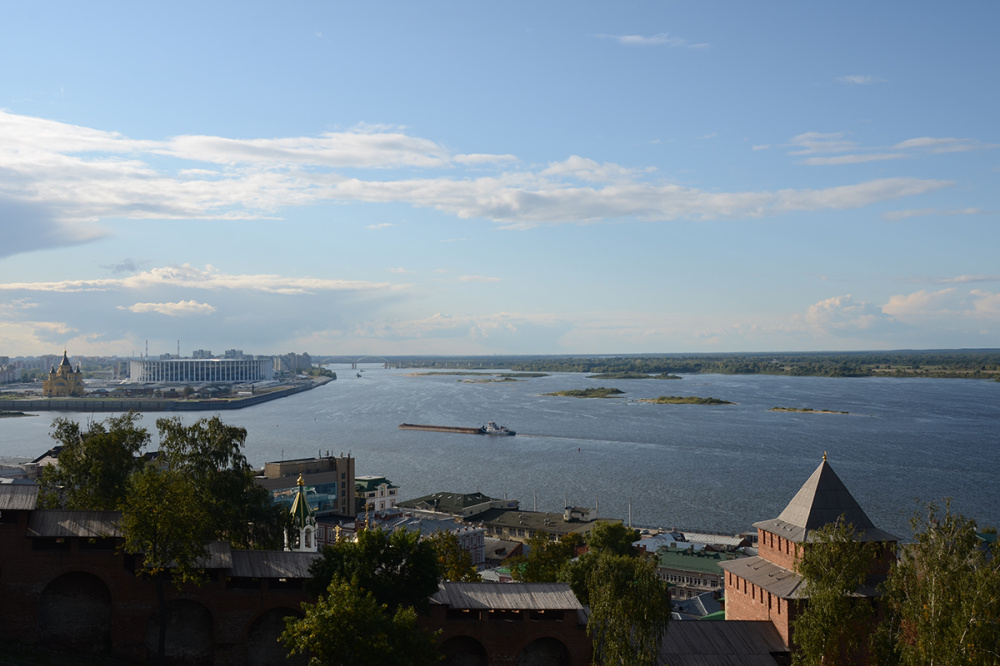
(201, 371)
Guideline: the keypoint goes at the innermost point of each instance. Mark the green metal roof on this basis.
(686, 560)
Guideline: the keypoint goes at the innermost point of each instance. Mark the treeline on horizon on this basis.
(964, 363)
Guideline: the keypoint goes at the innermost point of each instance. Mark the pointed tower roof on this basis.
(822, 500)
(65, 361)
(302, 514)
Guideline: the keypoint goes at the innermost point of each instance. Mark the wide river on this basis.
(904, 442)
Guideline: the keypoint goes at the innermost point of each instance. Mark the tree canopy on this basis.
(836, 619)
(210, 453)
(544, 558)
(396, 568)
(629, 610)
(943, 596)
(348, 627)
(454, 562)
(94, 463)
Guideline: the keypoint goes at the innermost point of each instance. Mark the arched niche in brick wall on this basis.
(544, 652)
(190, 634)
(464, 651)
(263, 648)
(74, 611)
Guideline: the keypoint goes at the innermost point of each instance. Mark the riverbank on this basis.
(155, 404)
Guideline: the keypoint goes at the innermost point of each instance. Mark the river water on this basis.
(720, 468)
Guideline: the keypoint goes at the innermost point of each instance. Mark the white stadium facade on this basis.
(201, 371)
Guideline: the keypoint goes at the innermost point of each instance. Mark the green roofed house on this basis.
(374, 493)
(691, 572)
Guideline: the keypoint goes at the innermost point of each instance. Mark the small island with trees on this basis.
(686, 400)
(600, 392)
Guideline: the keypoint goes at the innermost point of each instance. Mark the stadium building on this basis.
(201, 371)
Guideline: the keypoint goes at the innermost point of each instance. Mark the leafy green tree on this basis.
(607, 537)
(348, 627)
(612, 537)
(210, 453)
(545, 558)
(94, 464)
(166, 524)
(834, 566)
(629, 610)
(396, 568)
(454, 562)
(943, 596)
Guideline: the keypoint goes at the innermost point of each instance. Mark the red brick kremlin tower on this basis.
(767, 587)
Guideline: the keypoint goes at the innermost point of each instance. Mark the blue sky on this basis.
(523, 177)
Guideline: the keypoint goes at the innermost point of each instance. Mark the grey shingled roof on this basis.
(506, 596)
(271, 564)
(730, 643)
(822, 500)
(89, 524)
(17, 497)
(762, 573)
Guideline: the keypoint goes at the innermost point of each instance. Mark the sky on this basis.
(579, 177)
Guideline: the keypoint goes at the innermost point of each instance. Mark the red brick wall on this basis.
(779, 550)
(25, 572)
(745, 601)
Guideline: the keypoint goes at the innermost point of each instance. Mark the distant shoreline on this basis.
(152, 404)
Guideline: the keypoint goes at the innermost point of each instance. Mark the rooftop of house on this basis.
(822, 500)
(684, 559)
(506, 596)
(537, 521)
(730, 643)
(447, 502)
(369, 483)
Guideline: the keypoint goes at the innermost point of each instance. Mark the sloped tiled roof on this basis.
(730, 643)
(62, 524)
(822, 500)
(768, 575)
(506, 596)
(18, 497)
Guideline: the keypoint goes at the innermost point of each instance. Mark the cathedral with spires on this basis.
(64, 381)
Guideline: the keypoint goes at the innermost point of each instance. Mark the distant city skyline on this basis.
(444, 179)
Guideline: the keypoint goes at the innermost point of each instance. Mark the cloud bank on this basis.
(58, 181)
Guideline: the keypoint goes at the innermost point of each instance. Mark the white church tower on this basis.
(303, 531)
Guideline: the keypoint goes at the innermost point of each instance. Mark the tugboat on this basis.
(492, 428)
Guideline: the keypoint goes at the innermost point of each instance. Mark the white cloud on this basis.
(843, 313)
(835, 143)
(178, 309)
(381, 225)
(943, 145)
(477, 278)
(659, 39)
(187, 276)
(854, 159)
(60, 180)
(479, 158)
(897, 215)
(919, 303)
(860, 79)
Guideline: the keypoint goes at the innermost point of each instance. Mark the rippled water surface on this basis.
(705, 467)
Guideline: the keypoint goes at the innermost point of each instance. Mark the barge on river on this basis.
(490, 428)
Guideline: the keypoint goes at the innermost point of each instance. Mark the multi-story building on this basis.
(691, 571)
(374, 493)
(201, 371)
(329, 483)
